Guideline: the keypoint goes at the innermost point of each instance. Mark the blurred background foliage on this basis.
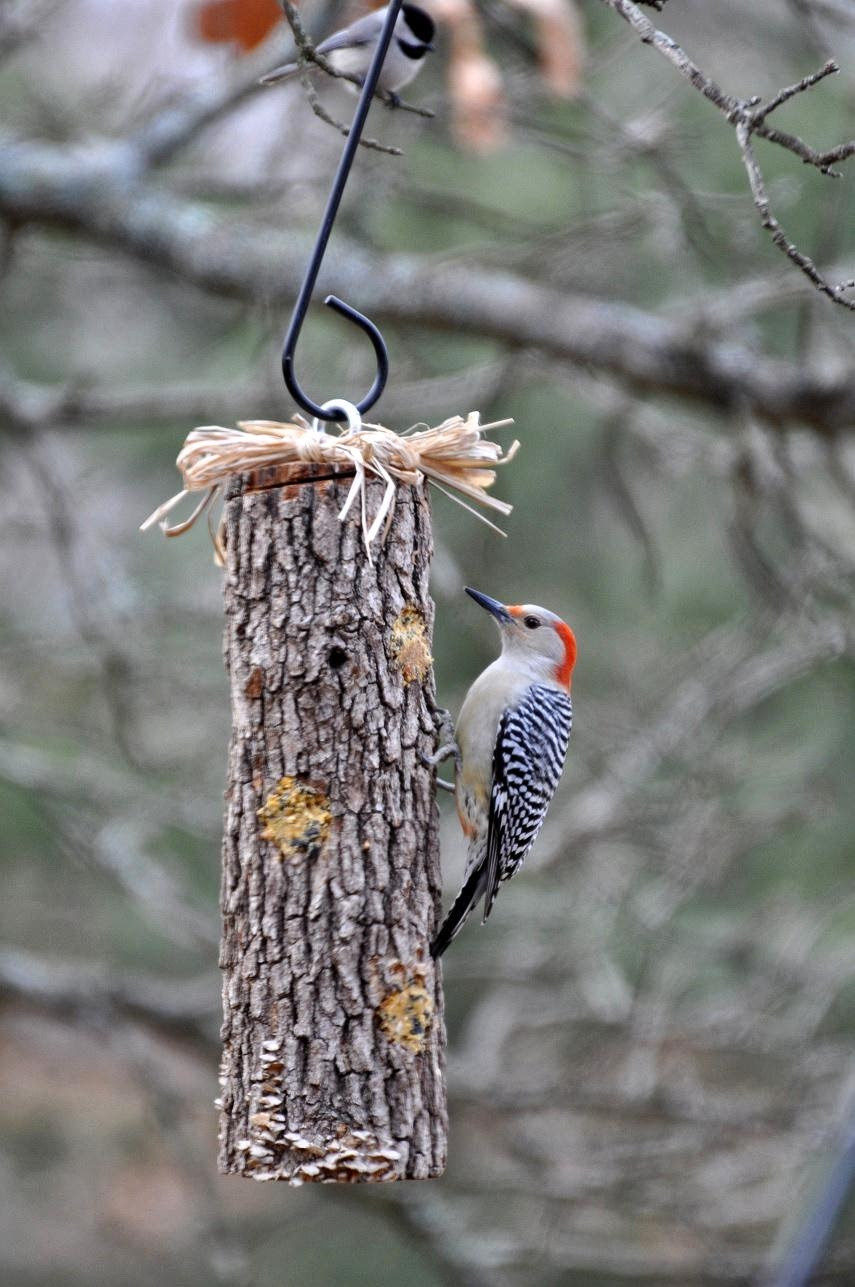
(650, 1046)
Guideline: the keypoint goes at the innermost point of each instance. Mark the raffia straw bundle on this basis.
(455, 456)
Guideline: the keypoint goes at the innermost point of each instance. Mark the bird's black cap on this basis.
(421, 24)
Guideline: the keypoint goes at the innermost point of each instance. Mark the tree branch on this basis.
(747, 118)
(175, 125)
(779, 237)
(184, 1007)
(322, 114)
(100, 195)
(309, 54)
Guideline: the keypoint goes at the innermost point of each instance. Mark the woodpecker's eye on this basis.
(531, 622)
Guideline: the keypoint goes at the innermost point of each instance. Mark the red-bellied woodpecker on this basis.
(511, 740)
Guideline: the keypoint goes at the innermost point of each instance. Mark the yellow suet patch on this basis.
(297, 819)
(406, 1014)
(408, 644)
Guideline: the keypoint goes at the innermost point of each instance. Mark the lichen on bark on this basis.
(333, 1030)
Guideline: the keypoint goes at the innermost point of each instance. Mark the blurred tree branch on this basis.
(26, 406)
(19, 22)
(188, 1008)
(727, 675)
(101, 193)
(176, 124)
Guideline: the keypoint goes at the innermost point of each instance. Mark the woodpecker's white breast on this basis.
(499, 688)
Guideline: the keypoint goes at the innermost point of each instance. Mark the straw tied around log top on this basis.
(455, 456)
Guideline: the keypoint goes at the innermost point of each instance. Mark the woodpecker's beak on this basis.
(498, 610)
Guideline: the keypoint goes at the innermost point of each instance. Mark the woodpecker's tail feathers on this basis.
(491, 867)
(279, 73)
(473, 888)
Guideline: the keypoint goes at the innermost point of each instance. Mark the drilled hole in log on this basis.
(337, 657)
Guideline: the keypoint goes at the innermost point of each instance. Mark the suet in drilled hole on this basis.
(405, 1015)
(409, 645)
(297, 819)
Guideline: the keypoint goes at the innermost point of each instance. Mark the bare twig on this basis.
(175, 125)
(344, 130)
(44, 459)
(748, 118)
(779, 237)
(309, 54)
(783, 95)
(622, 493)
(25, 406)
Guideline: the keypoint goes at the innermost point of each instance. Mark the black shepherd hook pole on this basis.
(332, 301)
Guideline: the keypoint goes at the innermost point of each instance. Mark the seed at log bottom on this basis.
(297, 819)
(409, 645)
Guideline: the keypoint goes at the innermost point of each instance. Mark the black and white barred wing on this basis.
(527, 762)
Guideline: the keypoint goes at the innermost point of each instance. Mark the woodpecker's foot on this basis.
(444, 725)
(439, 756)
(392, 99)
(447, 747)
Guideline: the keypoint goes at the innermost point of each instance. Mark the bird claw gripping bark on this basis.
(444, 725)
(445, 736)
(447, 746)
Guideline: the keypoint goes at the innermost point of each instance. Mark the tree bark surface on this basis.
(333, 1034)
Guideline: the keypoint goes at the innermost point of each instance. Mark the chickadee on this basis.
(351, 49)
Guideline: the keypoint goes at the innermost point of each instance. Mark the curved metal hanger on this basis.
(332, 301)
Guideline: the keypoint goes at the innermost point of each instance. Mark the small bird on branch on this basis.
(511, 742)
(350, 50)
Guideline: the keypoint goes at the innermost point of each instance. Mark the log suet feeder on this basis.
(333, 1034)
(333, 1027)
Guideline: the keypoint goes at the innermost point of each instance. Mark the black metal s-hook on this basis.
(332, 301)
